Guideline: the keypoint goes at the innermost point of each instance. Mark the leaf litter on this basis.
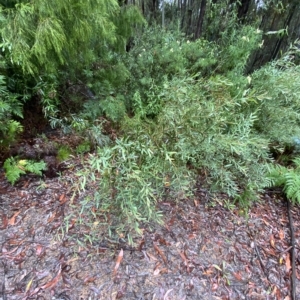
(202, 251)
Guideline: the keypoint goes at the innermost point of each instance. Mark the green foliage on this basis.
(131, 177)
(288, 178)
(43, 35)
(83, 147)
(180, 106)
(211, 130)
(236, 45)
(279, 106)
(14, 168)
(114, 108)
(187, 115)
(63, 153)
(47, 46)
(158, 56)
(10, 107)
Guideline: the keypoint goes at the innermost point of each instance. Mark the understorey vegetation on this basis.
(159, 108)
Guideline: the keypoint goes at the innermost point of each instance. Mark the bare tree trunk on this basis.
(286, 25)
(199, 27)
(189, 22)
(275, 44)
(183, 12)
(163, 13)
(243, 9)
(143, 7)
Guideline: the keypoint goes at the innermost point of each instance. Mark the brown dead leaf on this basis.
(272, 241)
(247, 269)
(62, 199)
(160, 252)
(281, 234)
(26, 184)
(196, 202)
(287, 262)
(51, 218)
(141, 245)
(266, 222)
(270, 251)
(214, 287)
(237, 276)
(118, 262)
(51, 284)
(12, 220)
(157, 269)
(208, 272)
(39, 249)
(152, 257)
(4, 251)
(89, 279)
(156, 272)
(276, 292)
(192, 236)
(184, 258)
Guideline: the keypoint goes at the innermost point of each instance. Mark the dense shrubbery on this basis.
(51, 49)
(10, 107)
(279, 110)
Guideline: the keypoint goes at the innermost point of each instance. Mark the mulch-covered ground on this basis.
(202, 251)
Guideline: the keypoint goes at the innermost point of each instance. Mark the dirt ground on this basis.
(202, 250)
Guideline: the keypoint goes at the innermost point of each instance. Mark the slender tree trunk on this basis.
(286, 25)
(143, 7)
(183, 12)
(163, 13)
(243, 9)
(189, 22)
(199, 27)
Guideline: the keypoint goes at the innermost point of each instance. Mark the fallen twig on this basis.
(258, 254)
(260, 260)
(292, 251)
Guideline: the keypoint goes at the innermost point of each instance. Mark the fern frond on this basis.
(296, 161)
(292, 186)
(36, 167)
(15, 168)
(276, 176)
(12, 171)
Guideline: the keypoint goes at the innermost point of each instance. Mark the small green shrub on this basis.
(278, 113)
(14, 168)
(10, 107)
(63, 153)
(130, 177)
(114, 108)
(84, 147)
(158, 56)
(213, 131)
(288, 178)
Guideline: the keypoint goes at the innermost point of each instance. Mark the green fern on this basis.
(14, 168)
(288, 178)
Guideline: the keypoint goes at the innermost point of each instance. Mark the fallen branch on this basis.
(292, 251)
(260, 260)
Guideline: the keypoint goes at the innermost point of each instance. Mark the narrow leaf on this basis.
(118, 262)
(12, 220)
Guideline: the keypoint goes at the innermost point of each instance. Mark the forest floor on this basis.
(203, 250)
